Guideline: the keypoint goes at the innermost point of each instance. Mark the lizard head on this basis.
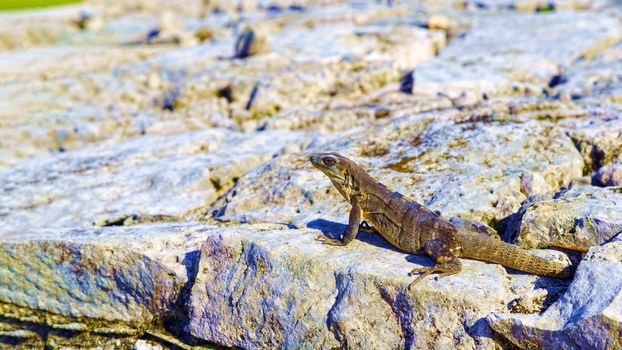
(338, 169)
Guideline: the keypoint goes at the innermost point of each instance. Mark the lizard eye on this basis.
(329, 161)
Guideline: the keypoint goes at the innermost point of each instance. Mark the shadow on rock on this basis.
(177, 322)
(333, 229)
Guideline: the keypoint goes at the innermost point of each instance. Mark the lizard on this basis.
(414, 228)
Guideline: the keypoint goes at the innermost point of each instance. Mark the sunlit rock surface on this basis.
(588, 315)
(479, 171)
(155, 189)
(580, 217)
(143, 180)
(283, 288)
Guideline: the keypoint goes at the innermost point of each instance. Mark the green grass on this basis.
(28, 4)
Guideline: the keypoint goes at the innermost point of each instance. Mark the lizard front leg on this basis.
(442, 250)
(352, 229)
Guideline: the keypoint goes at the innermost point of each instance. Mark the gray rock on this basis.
(143, 180)
(599, 141)
(485, 60)
(113, 277)
(470, 170)
(282, 288)
(610, 175)
(587, 316)
(580, 217)
(251, 43)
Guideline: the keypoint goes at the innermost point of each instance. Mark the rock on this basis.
(143, 180)
(600, 142)
(90, 21)
(142, 344)
(595, 76)
(533, 183)
(442, 22)
(510, 109)
(500, 71)
(610, 175)
(479, 177)
(250, 43)
(580, 217)
(587, 316)
(107, 277)
(283, 288)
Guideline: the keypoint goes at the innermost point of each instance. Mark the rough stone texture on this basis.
(132, 275)
(143, 180)
(587, 316)
(580, 217)
(475, 171)
(136, 112)
(283, 288)
(600, 142)
(610, 175)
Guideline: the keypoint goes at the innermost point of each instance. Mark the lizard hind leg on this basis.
(447, 263)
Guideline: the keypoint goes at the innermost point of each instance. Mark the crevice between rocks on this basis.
(342, 283)
(403, 312)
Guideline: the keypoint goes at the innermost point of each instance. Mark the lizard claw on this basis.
(426, 271)
(329, 241)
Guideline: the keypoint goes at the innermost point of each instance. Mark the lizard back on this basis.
(406, 224)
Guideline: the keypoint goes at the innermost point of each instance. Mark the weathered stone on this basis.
(580, 217)
(128, 275)
(469, 170)
(251, 43)
(283, 288)
(485, 60)
(610, 175)
(587, 316)
(124, 133)
(600, 142)
(143, 180)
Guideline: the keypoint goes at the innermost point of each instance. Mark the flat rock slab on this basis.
(283, 288)
(478, 171)
(147, 179)
(587, 316)
(514, 54)
(131, 276)
(580, 217)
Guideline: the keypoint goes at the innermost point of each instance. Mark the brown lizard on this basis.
(413, 228)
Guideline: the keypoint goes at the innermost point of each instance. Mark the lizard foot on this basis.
(366, 227)
(329, 241)
(446, 269)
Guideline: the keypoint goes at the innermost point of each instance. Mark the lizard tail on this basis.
(491, 249)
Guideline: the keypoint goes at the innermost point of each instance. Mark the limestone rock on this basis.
(468, 170)
(580, 217)
(251, 43)
(283, 288)
(130, 276)
(610, 175)
(588, 315)
(143, 180)
(600, 142)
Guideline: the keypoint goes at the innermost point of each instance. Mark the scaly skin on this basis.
(414, 228)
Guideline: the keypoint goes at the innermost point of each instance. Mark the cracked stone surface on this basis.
(580, 217)
(475, 171)
(280, 287)
(143, 180)
(155, 190)
(131, 275)
(588, 315)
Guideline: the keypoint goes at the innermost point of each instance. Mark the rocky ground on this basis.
(155, 190)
